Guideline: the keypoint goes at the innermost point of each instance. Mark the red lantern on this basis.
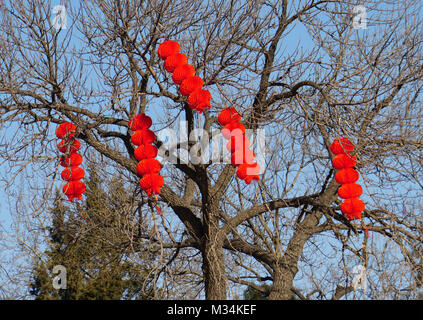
(72, 160)
(140, 122)
(237, 142)
(144, 136)
(244, 170)
(145, 151)
(73, 173)
(168, 48)
(242, 156)
(341, 146)
(251, 178)
(233, 129)
(343, 161)
(190, 84)
(69, 147)
(350, 190)
(182, 72)
(348, 175)
(228, 115)
(352, 207)
(174, 61)
(199, 100)
(66, 130)
(148, 166)
(74, 189)
(152, 183)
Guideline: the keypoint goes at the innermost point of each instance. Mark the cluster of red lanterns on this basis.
(148, 166)
(183, 74)
(347, 176)
(70, 160)
(238, 144)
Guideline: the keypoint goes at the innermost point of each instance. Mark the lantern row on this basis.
(148, 167)
(238, 144)
(70, 160)
(183, 74)
(347, 177)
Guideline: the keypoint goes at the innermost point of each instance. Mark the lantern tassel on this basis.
(157, 204)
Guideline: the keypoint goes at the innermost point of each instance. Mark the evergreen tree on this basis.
(253, 294)
(84, 242)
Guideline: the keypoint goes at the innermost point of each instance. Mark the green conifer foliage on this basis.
(92, 244)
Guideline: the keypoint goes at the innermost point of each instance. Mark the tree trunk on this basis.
(213, 258)
(214, 271)
(282, 284)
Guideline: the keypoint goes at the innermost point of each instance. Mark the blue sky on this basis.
(297, 37)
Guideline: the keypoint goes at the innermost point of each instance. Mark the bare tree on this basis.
(300, 70)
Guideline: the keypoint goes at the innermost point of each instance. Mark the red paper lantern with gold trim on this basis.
(352, 208)
(237, 142)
